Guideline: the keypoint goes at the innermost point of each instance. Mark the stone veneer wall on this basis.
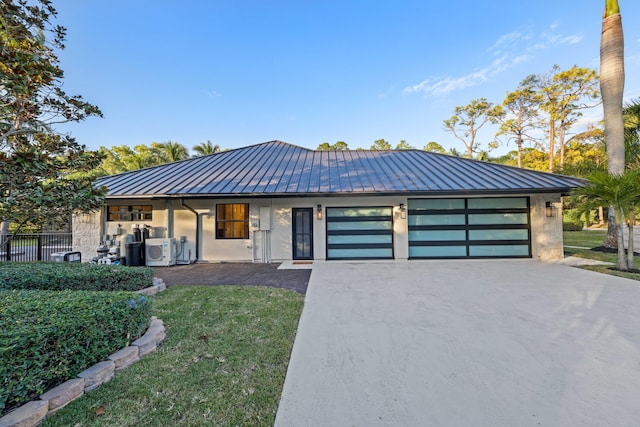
(546, 232)
(87, 231)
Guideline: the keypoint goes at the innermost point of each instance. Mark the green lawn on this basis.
(223, 363)
(592, 239)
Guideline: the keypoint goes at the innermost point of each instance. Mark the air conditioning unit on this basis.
(160, 252)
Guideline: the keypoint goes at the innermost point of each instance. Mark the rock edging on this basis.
(32, 413)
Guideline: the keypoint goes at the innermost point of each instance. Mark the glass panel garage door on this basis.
(469, 228)
(360, 233)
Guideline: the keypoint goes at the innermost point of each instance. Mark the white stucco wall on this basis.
(171, 219)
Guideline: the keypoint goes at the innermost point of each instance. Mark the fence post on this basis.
(39, 254)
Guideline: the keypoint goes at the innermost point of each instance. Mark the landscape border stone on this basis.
(32, 413)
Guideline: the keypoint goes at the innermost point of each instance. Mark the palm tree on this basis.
(171, 151)
(631, 114)
(206, 148)
(622, 193)
(612, 87)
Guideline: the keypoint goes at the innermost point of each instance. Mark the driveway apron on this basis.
(464, 343)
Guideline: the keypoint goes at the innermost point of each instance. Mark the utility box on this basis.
(66, 257)
(265, 218)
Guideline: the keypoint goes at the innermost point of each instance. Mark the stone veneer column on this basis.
(546, 232)
(87, 230)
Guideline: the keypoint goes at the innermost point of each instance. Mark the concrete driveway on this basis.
(464, 343)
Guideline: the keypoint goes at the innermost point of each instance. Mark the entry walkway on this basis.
(464, 343)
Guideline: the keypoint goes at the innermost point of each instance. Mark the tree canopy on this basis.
(44, 174)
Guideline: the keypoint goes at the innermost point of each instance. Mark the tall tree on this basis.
(170, 151)
(381, 145)
(123, 158)
(520, 116)
(434, 147)
(41, 170)
(404, 145)
(467, 120)
(631, 114)
(612, 88)
(338, 146)
(206, 148)
(563, 95)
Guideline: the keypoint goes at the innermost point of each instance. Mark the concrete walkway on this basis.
(464, 343)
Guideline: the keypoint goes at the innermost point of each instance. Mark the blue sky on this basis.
(244, 72)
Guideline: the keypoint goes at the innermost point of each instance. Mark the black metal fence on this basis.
(34, 247)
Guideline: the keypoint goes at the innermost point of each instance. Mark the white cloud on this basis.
(214, 94)
(510, 49)
(450, 84)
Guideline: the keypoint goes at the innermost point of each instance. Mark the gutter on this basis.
(197, 227)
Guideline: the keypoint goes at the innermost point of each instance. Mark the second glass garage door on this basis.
(469, 228)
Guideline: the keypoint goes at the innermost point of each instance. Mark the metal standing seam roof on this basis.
(277, 168)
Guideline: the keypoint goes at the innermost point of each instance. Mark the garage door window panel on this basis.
(499, 250)
(359, 238)
(498, 234)
(435, 235)
(498, 203)
(431, 219)
(499, 218)
(437, 251)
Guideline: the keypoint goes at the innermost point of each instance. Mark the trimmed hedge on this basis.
(48, 337)
(572, 226)
(56, 276)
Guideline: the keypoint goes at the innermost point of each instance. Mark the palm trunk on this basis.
(622, 260)
(601, 214)
(630, 244)
(611, 241)
(612, 87)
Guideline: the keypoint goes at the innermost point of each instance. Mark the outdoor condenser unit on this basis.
(160, 252)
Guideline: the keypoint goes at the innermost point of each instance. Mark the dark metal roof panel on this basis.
(278, 168)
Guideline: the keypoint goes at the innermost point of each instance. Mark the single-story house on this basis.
(276, 201)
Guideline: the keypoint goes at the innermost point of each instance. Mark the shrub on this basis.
(49, 337)
(571, 226)
(57, 276)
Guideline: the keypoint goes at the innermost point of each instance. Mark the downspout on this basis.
(197, 228)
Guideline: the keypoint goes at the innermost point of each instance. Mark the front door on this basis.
(302, 233)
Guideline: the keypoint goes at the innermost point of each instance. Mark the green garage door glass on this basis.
(359, 225)
(359, 239)
(437, 251)
(436, 204)
(435, 235)
(499, 250)
(498, 218)
(436, 219)
(356, 212)
(518, 234)
(380, 253)
(497, 203)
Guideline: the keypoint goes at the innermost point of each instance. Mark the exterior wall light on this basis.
(403, 211)
(551, 210)
(319, 212)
